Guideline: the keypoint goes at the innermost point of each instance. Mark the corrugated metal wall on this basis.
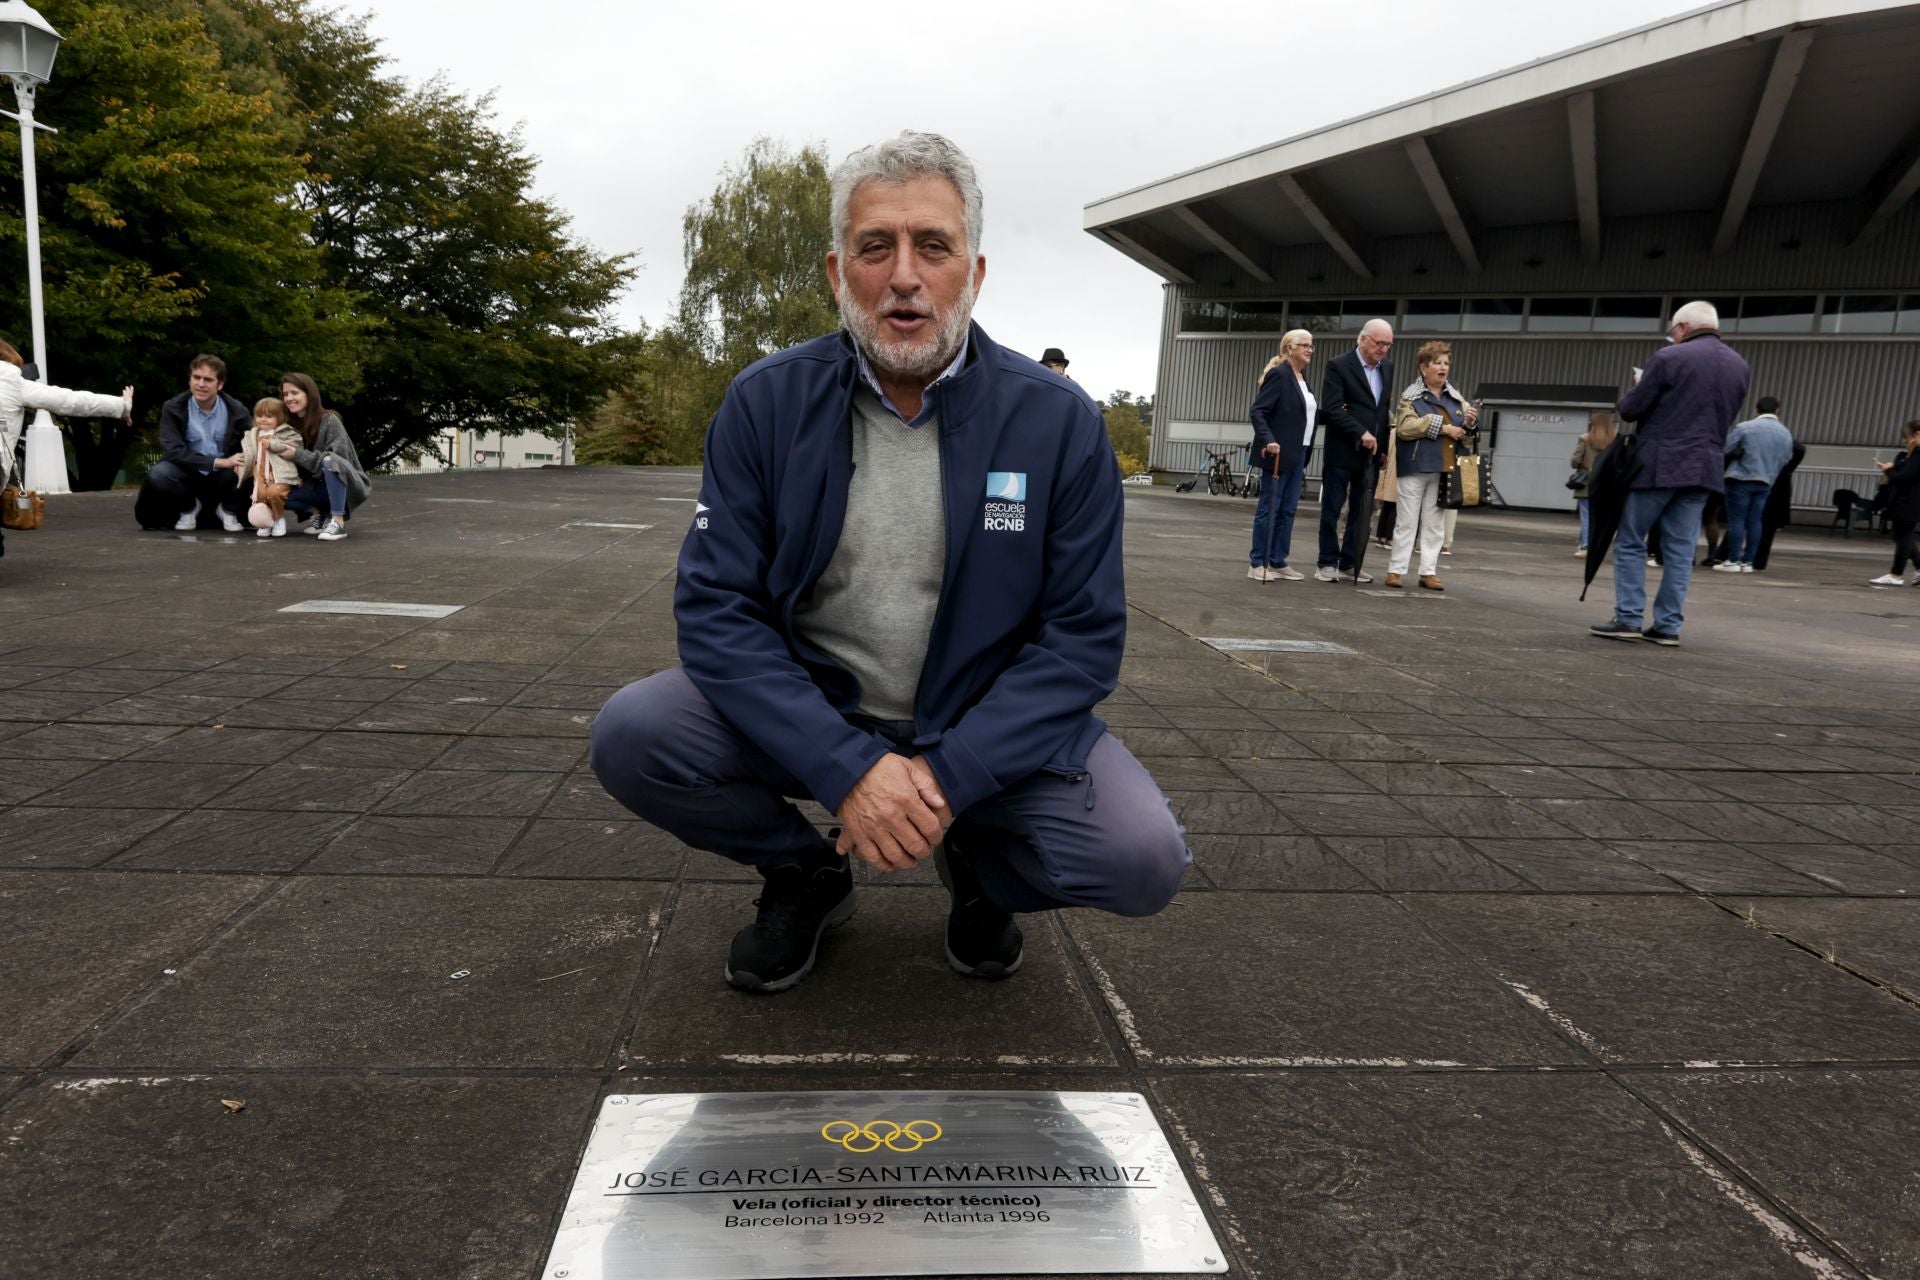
(1836, 390)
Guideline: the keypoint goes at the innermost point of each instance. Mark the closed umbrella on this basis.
(1360, 512)
(1613, 474)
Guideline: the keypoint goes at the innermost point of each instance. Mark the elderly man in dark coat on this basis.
(1687, 399)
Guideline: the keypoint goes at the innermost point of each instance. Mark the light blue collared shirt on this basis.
(926, 401)
(207, 431)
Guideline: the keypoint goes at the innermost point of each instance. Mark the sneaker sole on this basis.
(1665, 642)
(1609, 635)
(745, 981)
(989, 970)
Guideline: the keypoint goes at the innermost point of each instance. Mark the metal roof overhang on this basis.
(1741, 103)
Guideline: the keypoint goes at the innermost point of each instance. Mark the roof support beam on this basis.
(1788, 57)
(1151, 251)
(1586, 171)
(1436, 184)
(1327, 220)
(1230, 238)
(1889, 192)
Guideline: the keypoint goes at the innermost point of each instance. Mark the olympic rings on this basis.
(871, 1136)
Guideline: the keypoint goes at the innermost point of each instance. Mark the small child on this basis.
(273, 476)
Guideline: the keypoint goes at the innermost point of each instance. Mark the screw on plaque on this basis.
(616, 1101)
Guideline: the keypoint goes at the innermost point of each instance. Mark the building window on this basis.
(1433, 315)
(1729, 309)
(1860, 313)
(1316, 315)
(539, 457)
(1355, 312)
(1909, 321)
(1626, 315)
(1776, 314)
(1561, 315)
(1202, 315)
(1493, 315)
(1257, 317)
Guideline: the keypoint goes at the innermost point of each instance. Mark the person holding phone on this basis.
(1903, 505)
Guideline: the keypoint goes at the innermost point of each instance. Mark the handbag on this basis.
(1580, 479)
(22, 508)
(1465, 480)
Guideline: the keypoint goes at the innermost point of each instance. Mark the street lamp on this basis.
(28, 45)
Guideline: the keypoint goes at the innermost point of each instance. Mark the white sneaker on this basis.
(313, 524)
(1326, 573)
(1258, 572)
(1726, 566)
(279, 529)
(1362, 576)
(1745, 567)
(186, 523)
(1284, 574)
(333, 532)
(263, 533)
(1580, 551)
(1889, 580)
(230, 524)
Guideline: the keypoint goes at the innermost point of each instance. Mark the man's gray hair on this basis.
(1698, 315)
(902, 158)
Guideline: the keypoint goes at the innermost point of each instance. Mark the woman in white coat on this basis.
(18, 395)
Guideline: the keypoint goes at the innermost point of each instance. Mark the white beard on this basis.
(904, 357)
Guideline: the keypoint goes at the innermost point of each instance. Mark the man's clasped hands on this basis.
(894, 815)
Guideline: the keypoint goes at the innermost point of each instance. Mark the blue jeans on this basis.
(1746, 505)
(1586, 520)
(311, 495)
(1675, 513)
(1342, 487)
(1273, 519)
(662, 750)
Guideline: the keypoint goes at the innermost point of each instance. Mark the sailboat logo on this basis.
(1007, 486)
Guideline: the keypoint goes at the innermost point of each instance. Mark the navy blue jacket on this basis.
(1031, 621)
(1279, 414)
(1352, 412)
(1688, 398)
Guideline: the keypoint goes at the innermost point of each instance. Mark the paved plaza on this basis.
(1506, 951)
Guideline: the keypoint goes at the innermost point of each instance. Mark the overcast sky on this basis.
(633, 109)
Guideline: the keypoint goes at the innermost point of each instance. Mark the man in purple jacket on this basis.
(901, 596)
(1687, 399)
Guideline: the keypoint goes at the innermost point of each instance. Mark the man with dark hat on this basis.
(1055, 359)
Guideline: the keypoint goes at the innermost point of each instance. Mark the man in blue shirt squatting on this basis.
(901, 596)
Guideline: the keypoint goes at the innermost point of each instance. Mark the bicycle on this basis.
(1220, 475)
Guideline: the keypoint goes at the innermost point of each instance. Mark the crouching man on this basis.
(901, 596)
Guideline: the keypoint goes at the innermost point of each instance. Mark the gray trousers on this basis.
(1108, 841)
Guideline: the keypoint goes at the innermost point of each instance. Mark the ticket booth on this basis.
(1529, 431)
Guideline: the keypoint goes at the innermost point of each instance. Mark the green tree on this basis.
(169, 223)
(756, 283)
(486, 309)
(1129, 431)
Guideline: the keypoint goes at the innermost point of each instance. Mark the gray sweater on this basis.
(872, 610)
(332, 438)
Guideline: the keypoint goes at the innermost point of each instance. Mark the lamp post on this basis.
(28, 45)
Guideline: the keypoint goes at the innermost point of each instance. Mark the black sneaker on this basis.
(1614, 631)
(982, 939)
(1670, 639)
(798, 904)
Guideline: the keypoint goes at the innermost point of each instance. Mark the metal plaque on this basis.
(1229, 644)
(752, 1186)
(601, 524)
(379, 608)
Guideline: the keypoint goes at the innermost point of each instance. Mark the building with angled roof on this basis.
(1762, 154)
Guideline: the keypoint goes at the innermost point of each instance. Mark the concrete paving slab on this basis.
(690, 1017)
(152, 1176)
(382, 844)
(1272, 864)
(471, 793)
(1845, 868)
(570, 849)
(1574, 866)
(1835, 1146)
(340, 972)
(1880, 939)
(1302, 980)
(81, 741)
(77, 944)
(1423, 864)
(31, 837)
(242, 840)
(1708, 867)
(1456, 1175)
(1672, 980)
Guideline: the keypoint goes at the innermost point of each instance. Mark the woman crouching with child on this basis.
(331, 477)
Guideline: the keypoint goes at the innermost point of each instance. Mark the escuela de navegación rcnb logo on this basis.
(1006, 510)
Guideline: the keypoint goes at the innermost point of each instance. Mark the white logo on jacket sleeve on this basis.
(700, 510)
(1006, 509)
